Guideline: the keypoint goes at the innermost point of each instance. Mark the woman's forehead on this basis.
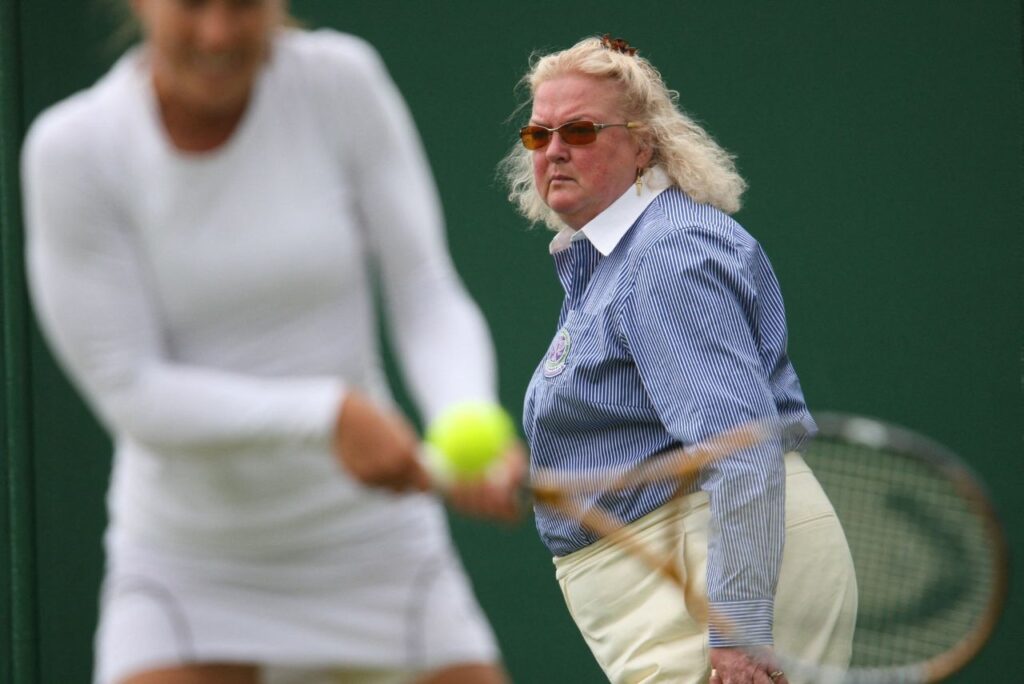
(560, 94)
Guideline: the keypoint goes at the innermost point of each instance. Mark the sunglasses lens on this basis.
(572, 133)
(534, 137)
(578, 132)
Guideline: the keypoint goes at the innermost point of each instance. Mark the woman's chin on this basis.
(562, 202)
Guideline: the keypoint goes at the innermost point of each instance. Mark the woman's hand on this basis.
(496, 495)
(741, 666)
(378, 448)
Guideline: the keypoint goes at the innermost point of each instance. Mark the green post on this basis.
(17, 583)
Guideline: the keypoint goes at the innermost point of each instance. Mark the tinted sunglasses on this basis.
(572, 133)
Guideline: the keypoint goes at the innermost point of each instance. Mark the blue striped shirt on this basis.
(672, 331)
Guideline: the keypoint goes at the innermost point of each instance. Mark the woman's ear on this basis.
(644, 154)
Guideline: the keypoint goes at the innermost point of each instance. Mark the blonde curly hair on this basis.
(689, 155)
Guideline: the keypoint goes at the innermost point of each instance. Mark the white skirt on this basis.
(399, 602)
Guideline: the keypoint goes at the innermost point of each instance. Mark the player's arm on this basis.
(443, 344)
(89, 287)
(441, 338)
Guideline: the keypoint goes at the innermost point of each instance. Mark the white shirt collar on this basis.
(607, 228)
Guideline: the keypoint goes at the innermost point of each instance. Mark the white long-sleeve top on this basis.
(213, 308)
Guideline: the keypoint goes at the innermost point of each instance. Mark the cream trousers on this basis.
(638, 625)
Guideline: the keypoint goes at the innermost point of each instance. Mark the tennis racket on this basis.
(929, 551)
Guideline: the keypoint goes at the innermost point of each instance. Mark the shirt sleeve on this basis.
(687, 325)
(88, 284)
(441, 337)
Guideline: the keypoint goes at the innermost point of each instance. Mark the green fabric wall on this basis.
(883, 145)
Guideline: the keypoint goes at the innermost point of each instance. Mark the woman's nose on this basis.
(556, 149)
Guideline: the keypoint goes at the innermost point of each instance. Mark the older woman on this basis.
(672, 331)
(203, 224)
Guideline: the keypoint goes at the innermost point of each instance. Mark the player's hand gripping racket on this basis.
(929, 552)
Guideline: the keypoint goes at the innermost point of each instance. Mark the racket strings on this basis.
(920, 549)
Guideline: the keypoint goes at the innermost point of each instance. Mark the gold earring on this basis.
(639, 181)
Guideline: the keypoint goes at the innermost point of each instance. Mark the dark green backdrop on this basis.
(882, 141)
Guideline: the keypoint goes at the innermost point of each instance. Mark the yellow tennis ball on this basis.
(468, 438)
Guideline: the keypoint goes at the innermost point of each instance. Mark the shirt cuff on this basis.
(321, 413)
(741, 623)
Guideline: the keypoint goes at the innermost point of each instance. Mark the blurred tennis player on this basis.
(672, 331)
(203, 226)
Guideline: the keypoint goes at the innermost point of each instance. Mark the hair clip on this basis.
(617, 44)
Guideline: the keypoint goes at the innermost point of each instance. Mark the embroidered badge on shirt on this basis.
(557, 355)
